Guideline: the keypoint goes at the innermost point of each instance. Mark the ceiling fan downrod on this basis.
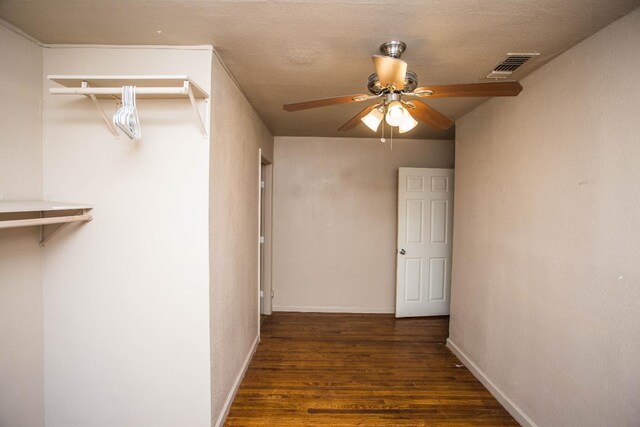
(393, 48)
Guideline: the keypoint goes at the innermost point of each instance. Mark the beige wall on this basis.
(21, 329)
(237, 135)
(545, 293)
(126, 302)
(335, 209)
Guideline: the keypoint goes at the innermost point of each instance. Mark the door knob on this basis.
(402, 252)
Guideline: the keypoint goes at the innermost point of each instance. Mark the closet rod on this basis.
(118, 91)
(45, 221)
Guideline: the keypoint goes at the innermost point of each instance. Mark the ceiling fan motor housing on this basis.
(393, 49)
(410, 82)
(376, 88)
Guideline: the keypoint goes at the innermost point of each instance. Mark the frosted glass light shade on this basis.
(395, 113)
(408, 123)
(373, 119)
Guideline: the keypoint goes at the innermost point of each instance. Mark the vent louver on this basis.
(511, 63)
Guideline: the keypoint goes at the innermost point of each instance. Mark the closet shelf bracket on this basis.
(60, 223)
(101, 110)
(196, 111)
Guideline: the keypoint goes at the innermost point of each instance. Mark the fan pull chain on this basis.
(382, 140)
(391, 144)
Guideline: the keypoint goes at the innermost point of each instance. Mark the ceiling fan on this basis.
(391, 83)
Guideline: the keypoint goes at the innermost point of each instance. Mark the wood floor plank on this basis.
(326, 369)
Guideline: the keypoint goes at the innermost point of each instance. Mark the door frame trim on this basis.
(264, 249)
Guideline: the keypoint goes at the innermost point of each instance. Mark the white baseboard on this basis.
(306, 309)
(236, 385)
(515, 411)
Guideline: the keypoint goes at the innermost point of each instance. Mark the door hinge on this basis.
(271, 294)
(261, 240)
(261, 184)
(261, 294)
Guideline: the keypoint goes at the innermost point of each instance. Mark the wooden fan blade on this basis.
(430, 116)
(391, 71)
(473, 89)
(325, 102)
(355, 121)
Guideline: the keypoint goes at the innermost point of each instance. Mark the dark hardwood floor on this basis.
(314, 369)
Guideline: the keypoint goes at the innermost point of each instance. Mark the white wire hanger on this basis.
(126, 118)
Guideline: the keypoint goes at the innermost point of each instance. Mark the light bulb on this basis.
(408, 123)
(395, 113)
(373, 119)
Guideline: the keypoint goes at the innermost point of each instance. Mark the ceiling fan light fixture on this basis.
(408, 123)
(395, 113)
(373, 119)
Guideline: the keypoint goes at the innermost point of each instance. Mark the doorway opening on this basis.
(264, 237)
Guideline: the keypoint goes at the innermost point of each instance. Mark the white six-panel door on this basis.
(425, 216)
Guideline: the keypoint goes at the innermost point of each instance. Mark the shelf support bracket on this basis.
(196, 111)
(102, 113)
(44, 237)
(41, 230)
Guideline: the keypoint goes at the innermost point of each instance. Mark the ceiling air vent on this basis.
(511, 63)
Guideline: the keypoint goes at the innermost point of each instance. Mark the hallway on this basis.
(359, 369)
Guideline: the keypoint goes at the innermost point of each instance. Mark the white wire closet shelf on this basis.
(55, 214)
(147, 87)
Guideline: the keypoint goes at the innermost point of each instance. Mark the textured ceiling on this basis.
(288, 51)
